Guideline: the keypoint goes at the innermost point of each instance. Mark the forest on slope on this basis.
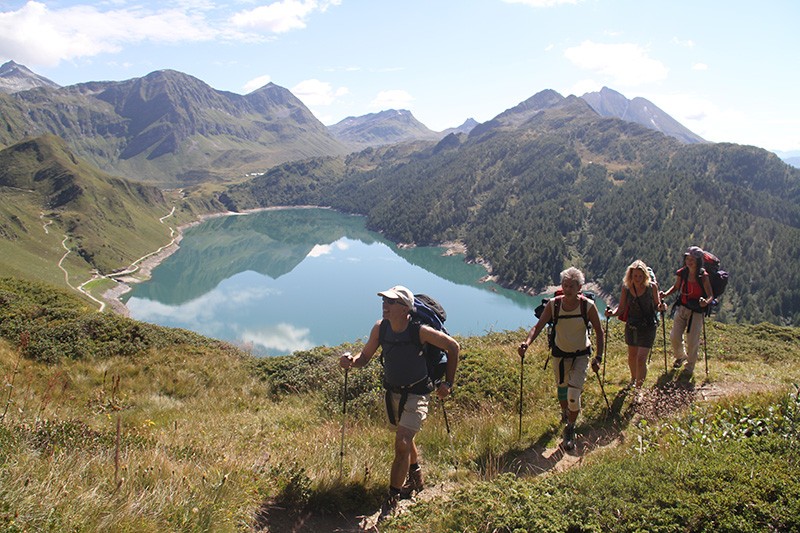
(551, 184)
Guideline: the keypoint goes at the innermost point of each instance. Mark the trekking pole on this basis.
(664, 335)
(521, 376)
(603, 390)
(446, 421)
(605, 351)
(705, 347)
(344, 415)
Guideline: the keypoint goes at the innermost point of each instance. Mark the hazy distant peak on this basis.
(389, 126)
(15, 78)
(609, 103)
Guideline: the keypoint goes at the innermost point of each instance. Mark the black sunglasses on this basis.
(391, 301)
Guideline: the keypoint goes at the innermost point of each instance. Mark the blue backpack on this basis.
(428, 312)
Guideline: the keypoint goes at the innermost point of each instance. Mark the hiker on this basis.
(407, 383)
(638, 304)
(571, 347)
(695, 295)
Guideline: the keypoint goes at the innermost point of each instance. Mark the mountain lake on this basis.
(276, 281)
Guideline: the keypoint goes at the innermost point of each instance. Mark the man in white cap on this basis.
(407, 382)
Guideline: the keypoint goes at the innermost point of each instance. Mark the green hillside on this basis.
(49, 195)
(550, 183)
(108, 424)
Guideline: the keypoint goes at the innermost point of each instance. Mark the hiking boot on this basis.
(679, 362)
(389, 505)
(413, 485)
(569, 438)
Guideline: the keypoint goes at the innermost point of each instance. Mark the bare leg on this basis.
(633, 363)
(404, 447)
(641, 365)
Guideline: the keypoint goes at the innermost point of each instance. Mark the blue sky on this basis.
(727, 70)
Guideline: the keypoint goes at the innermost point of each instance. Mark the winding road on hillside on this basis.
(113, 295)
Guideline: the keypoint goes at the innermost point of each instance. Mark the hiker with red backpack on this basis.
(696, 296)
(638, 304)
(407, 381)
(570, 313)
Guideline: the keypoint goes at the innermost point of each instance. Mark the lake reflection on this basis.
(285, 280)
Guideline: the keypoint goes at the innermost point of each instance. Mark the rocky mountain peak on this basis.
(15, 78)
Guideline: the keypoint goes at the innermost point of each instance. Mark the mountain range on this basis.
(172, 129)
(169, 128)
(549, 182)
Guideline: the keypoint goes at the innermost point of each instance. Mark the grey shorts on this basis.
(414, 412)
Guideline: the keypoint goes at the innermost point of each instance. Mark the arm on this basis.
(623, 303)
(657, 301)
(348, 361)
(707, 288)
(447, 343)
(535, 330)
(675, 287)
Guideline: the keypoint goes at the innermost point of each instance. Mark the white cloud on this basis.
(699, 66)
(324, 249)
(686, 43)
(256, 83)
(281, 337)
(392, 99)
(36, 34)
(541, 3)
(314, 92)
(622, 64)
(280, 17)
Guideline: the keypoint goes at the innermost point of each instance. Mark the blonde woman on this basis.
(639, 301)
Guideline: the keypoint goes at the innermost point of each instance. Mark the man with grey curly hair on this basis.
(571, 346)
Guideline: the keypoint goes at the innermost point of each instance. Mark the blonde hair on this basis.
(627, 281)
(573, 274)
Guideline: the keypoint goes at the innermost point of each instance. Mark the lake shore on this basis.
(141, 269)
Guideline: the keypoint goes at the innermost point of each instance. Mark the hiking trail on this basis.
(627, 407)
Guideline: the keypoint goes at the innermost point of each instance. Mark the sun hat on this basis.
(398, 292)
(694, 251)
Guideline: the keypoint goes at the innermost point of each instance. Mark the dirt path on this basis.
(627, 407)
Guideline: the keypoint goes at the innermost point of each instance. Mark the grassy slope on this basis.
(211, 438)
(109, 222)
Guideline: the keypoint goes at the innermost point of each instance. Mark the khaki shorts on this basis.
(414, 412)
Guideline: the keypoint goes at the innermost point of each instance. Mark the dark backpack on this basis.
(585, 296)
(428, 312)
(717, 276)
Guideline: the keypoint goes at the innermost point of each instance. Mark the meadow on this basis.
(115, 425)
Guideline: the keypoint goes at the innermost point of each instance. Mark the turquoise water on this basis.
(278, 281)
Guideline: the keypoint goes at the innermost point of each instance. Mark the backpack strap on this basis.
(584, 301)
(413, 326)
